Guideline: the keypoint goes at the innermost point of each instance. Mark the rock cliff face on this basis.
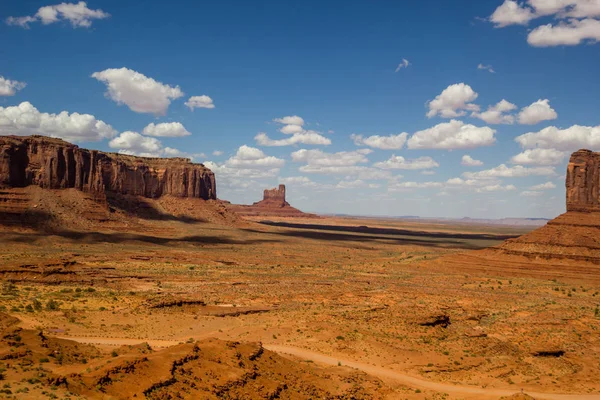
(583, 181)
(273, 198)
(56, 164)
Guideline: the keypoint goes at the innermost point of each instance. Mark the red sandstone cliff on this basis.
(583, 181)
(55, 164)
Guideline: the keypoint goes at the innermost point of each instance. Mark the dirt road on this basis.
(383, 373)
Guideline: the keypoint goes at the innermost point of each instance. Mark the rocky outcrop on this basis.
(583, 181)
(273, 198)
(567, 247)
(273, 204)
(55, 164)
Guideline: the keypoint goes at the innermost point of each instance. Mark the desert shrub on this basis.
(52, 305)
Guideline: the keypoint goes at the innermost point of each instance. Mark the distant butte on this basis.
(272, 204)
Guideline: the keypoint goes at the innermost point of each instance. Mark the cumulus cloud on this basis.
(469, 161)
(543, 186)
(577, 20)
(537, 112)
(290, 120)
(511, 13)
(140, 93)
(569, 33)
(78, 14)
(403, 64)
(355, 184)
(199, 102)
(502, 171)
(217, 153)
(488, 68)
(25, 119)
(135, 143)
(531, 193)
(303, 137)
(497, 114)
(452, 135)
(247, 163)
(571, 139)
(399, 162)
(453, 101)
(495, 188)
(340, 163)
(292, 126)
(539, 156)
(166, 129)
(10, 88)
(401, 186)
(340, 159)
(391, 142)
(291, 129)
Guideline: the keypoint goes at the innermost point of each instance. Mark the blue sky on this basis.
(390, 95)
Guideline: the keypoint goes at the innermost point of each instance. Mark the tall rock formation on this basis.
(583, 181)
(273, 198)
(55, 164)
(566, 247)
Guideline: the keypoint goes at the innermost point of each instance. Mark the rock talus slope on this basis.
(55, 164)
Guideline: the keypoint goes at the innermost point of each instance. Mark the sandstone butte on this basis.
(55, 164)
(570, 240)
(273, 204)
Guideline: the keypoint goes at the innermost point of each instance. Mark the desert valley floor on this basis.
(186, 300)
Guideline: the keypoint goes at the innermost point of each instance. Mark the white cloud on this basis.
(78, 14)
(340, 159)
(304, 137)
(488, 68)
(296, 181)
(502, 171)
(354, 184)
(399, 162)
(290, 120)
(199, 102)
(571, 139)
(10, 88)
(495, 188)
(166, 129)
(453, 101)
(576, 24)
(543, 186)
(251, 157)
(391, 142)
(291, 129)
(217, 153)
(25, 119)
(497, 114)
(531, 193)
(140, 93)
(400, 186)
(452, 135)
(511, 13)
(403, 64)
(135, 143)
(539, 156)
(569, 33)
(248, 163)
(469, 161)
(537, 112)
(428, 172)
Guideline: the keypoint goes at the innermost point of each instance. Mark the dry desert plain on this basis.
(191, 301)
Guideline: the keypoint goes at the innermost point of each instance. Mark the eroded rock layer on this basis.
(55, 164)
(273, 204)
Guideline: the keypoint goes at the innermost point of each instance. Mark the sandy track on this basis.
(387, 374)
